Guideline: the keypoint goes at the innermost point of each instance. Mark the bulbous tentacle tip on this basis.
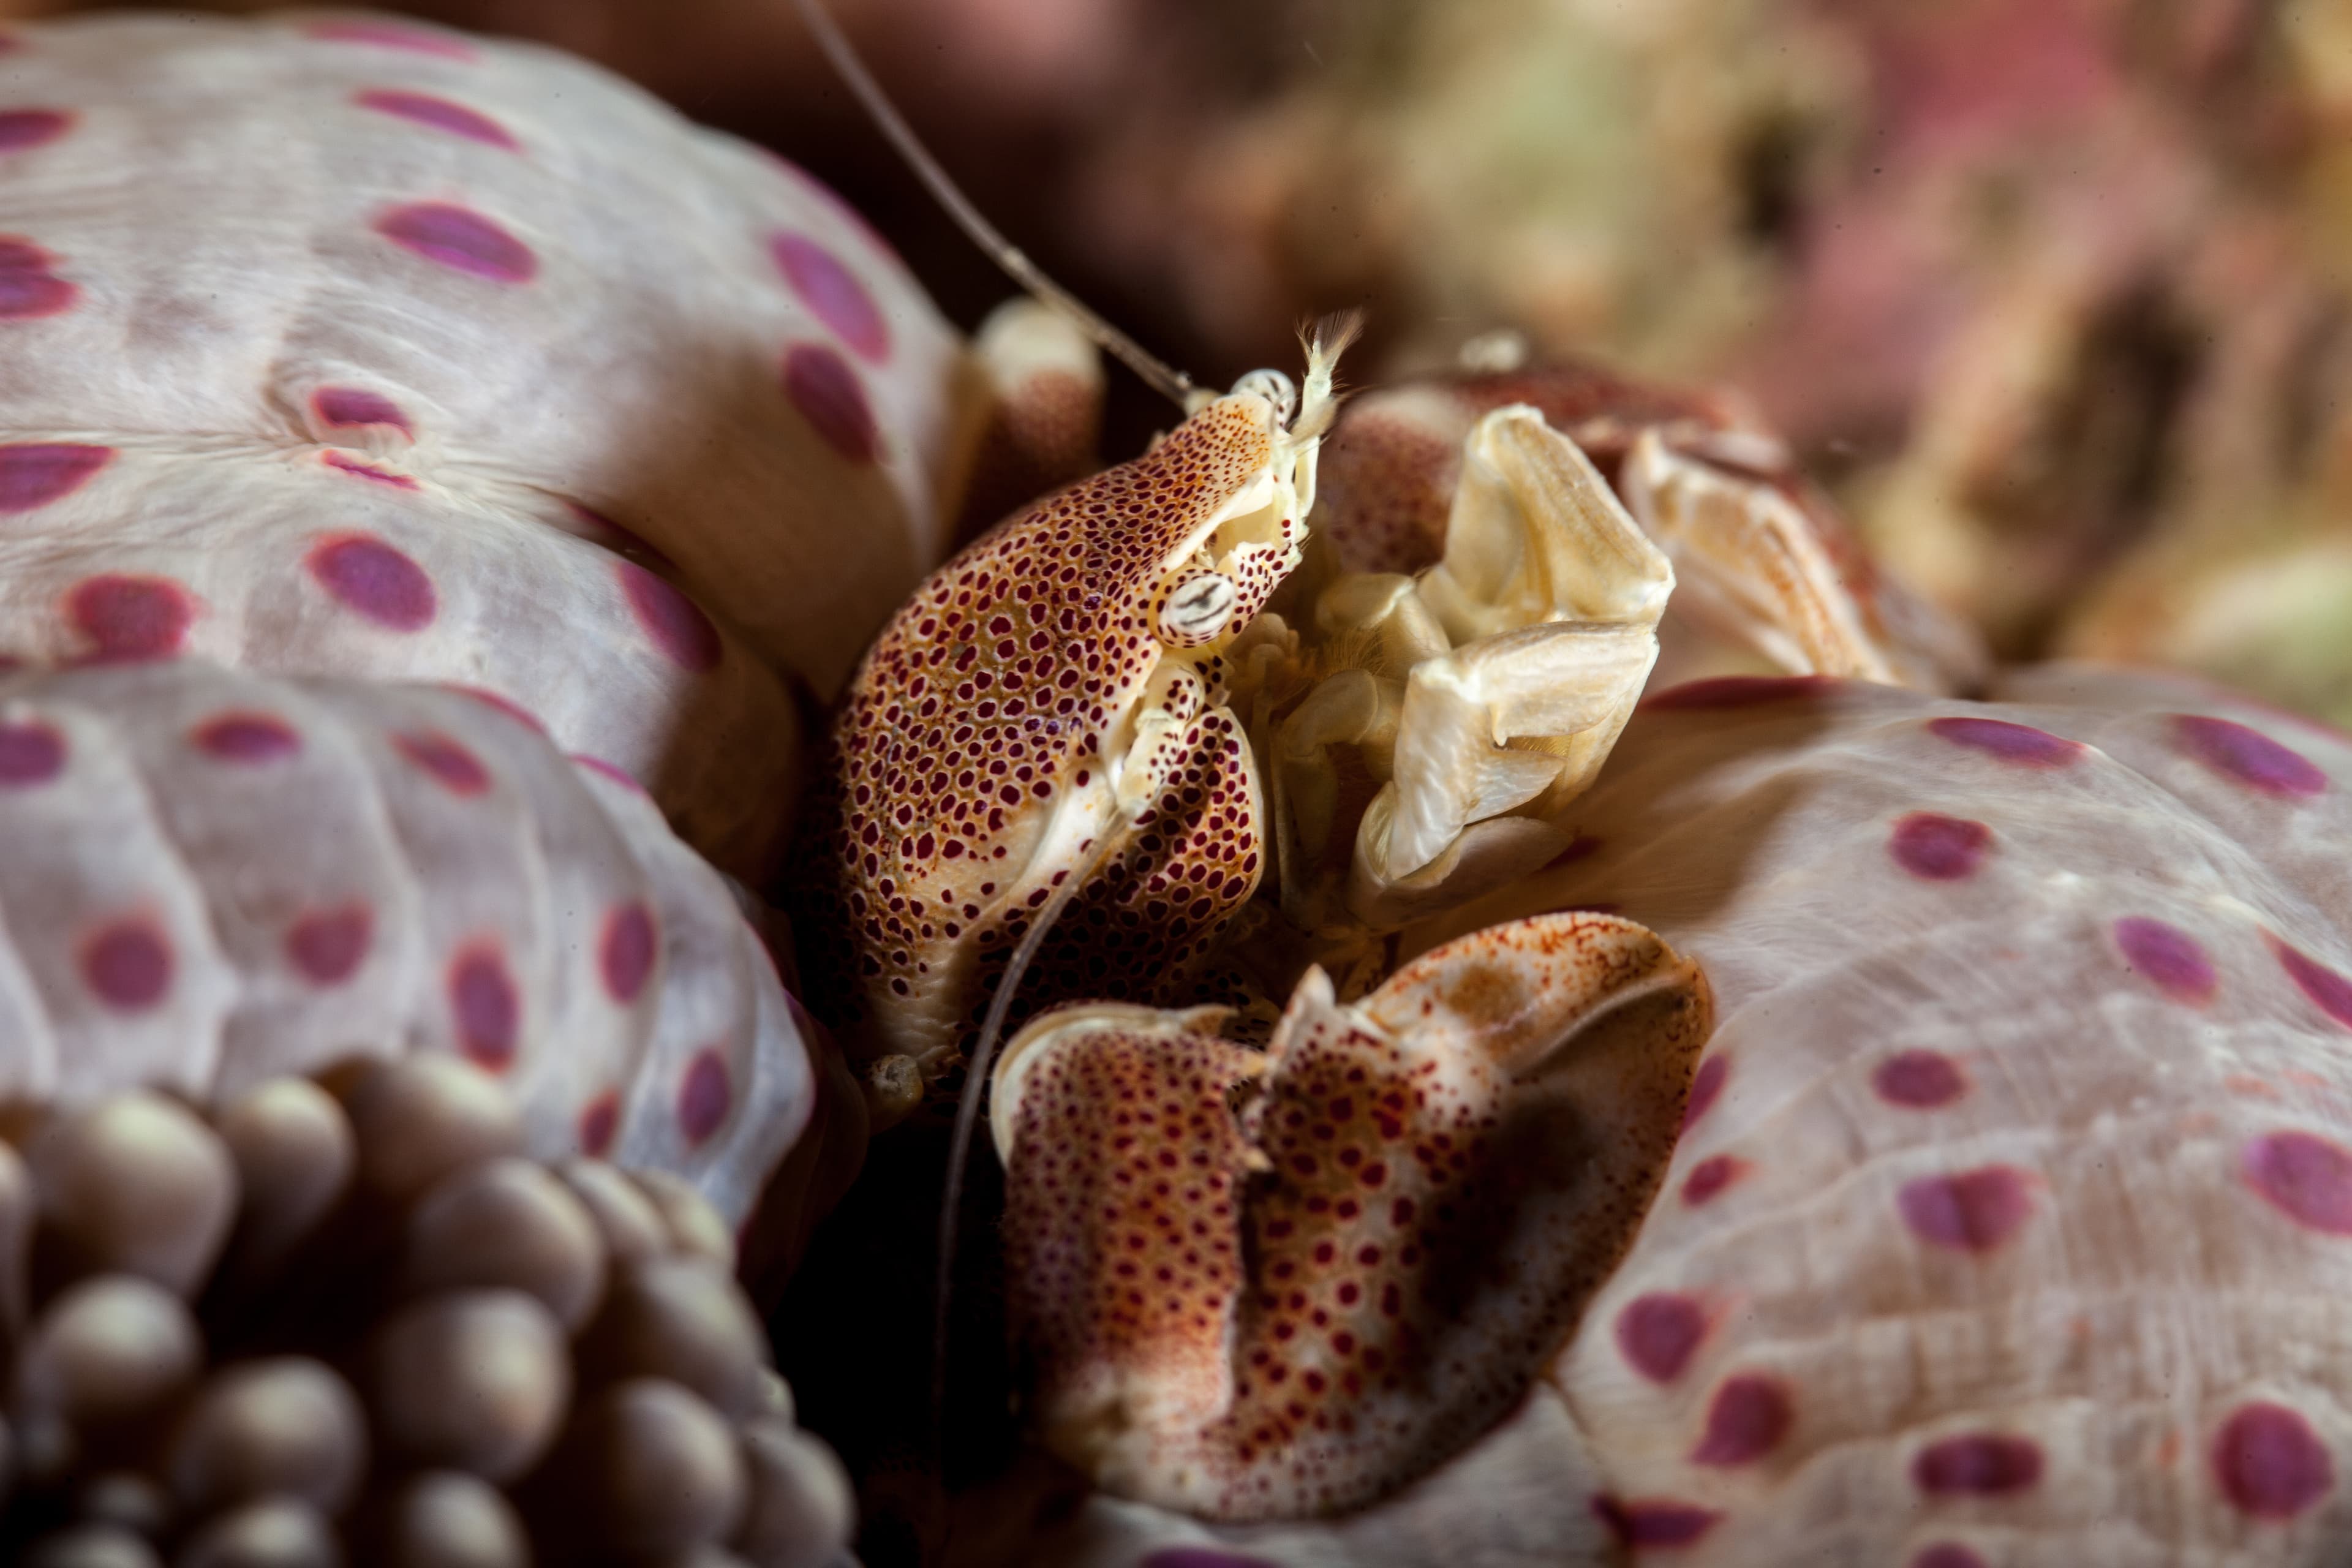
(1286, 1284)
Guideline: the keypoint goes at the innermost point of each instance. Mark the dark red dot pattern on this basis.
(1657, 1522)
(985, 701)
(127, 966)
(626, 956)
(424, 108)
(1938, 849)
(390, 36)
(1971, 1211)
(22, 129)
(1374, 1251)
(1658, 1333)
(2308, 1177)
(486, 1007)
(448, 763)
(125, 619)
(821, 384)
(1745, 1421)
(353, 408)
(2328, 990)
(2247, 756)
(672, 622)
(245, 738)
(460, 239)
(599, 1123)
(2019, 745)
(705, 1098)
(343, 462)
(30, 286)
(1918, 1080)
(366, 574)
(36, 473)
(2270, 1464)
(328, 946)
(1977, 1465)
(833, 293)
(1710, 1176)
(2170, 959)
(30, 753)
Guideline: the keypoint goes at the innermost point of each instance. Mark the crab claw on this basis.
(1269, 1285)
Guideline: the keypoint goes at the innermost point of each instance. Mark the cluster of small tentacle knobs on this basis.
(346, 1321)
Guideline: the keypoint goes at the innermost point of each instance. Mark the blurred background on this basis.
(2056, 295)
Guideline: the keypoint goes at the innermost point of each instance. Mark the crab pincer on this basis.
(1292, 1307)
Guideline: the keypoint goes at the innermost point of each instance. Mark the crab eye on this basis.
(1198, 609)
(1275, 388)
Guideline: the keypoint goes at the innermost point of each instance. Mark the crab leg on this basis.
(1293, 1307)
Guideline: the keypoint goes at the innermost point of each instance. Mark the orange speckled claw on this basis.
(1265, 1284)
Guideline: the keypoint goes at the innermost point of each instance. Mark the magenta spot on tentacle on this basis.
(1918, 1080)
(456, 769)
(22, 128)
(1710, 1176)
(366, 574)
(832, 294)
(1706, 1085)
(35, 473)
(355, 408)
(1657, 1334)
(2247, 756)
(705, 1098)
(829, 395)
(613, 770)
(460, 239)
(329, 945)
(498, 704)
(130, 618)
(390, 36)
(2169, 958)
(626, 954)
(2270, 1463)
(1746, 1420)
(2308, 1177)
(30, 754)
(1937, 848)
(351, 465)
(1975, 1211)
(1653, 1521)
(612, 536)
(28, 287)
(2021, 745)
(127, 966)
(1741, 691)
(2329, 992)
(424, 108)
(674, 623)
(245, 738)
(1947, 1554)
(598, 1122)
(1977, 1465)
(487, 1012)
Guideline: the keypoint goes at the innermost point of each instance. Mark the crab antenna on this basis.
(992, 1030)
(1169, 382)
